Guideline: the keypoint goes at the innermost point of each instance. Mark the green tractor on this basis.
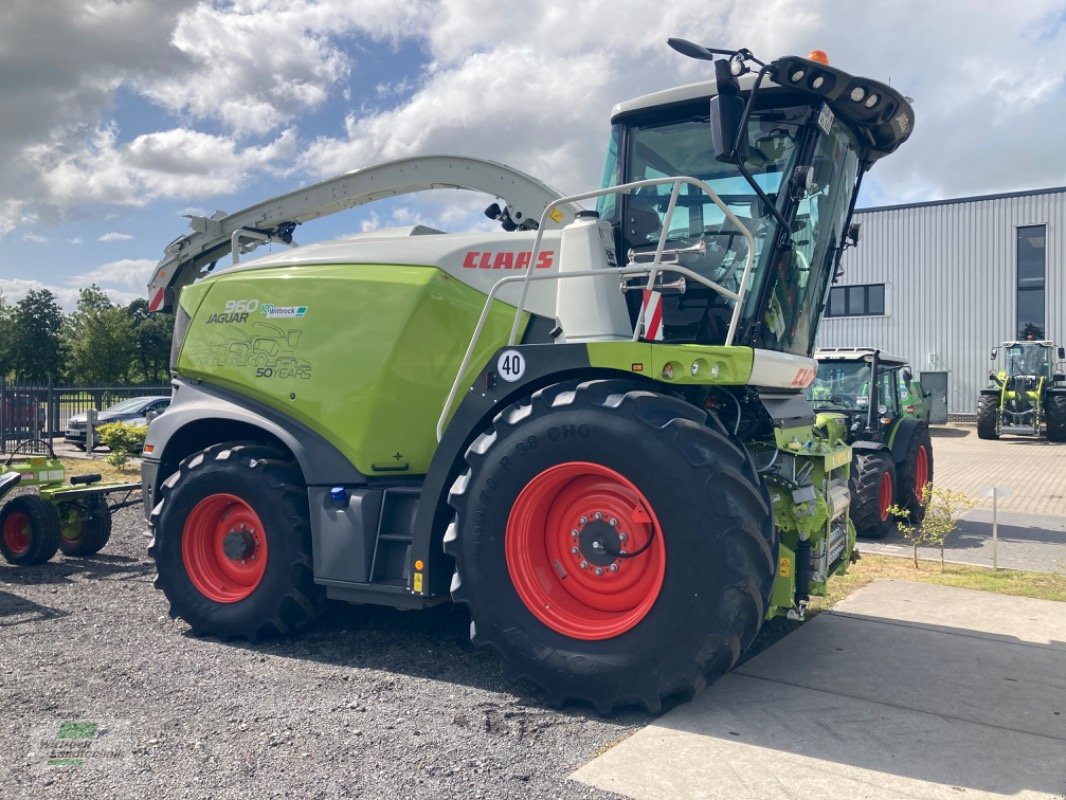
(1027, 395)
(588, 427)
(892, 452)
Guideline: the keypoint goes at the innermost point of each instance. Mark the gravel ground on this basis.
(368, 703)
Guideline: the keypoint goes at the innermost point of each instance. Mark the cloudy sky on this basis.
(120, 116)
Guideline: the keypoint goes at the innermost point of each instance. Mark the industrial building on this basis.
(942, 283)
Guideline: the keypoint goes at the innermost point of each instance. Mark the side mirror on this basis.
(995, 352)
(727, 111)
(1062, 354)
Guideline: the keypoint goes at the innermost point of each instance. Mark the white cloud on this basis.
(130, 272)
(14, 289)
(114, 236)
(35, 238)
(175, 163)
(239, 77)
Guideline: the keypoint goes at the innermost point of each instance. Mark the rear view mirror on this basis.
(854, 229)
(727, 111)
(995, 352)
(1062, 354)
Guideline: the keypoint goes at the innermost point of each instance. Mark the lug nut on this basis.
(613, 521)
(598, 515)
(573, 533)
(584, 565)
(574, 550)
(621, 551)
(599, 571)
(614, 568)
(622, 536)
(583, 521)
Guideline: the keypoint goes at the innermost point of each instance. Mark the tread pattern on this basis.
(1056, 416)
(747, 552)
(95, 526)
(987, 414)
(302, 599)
(865, 486)
(44, 529)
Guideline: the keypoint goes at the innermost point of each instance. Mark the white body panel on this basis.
(782, 370)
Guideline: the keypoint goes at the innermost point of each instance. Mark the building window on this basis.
(864, 300)
(1032, 246)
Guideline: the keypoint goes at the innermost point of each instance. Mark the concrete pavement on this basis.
(903, 691)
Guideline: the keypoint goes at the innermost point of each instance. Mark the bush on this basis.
(123, 440)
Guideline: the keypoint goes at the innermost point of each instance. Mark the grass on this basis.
(108, 473)
(1004, 581)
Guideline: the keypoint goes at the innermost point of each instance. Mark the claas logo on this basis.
(480, 259)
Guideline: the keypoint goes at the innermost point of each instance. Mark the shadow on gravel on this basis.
(15, 610)
(62, 570)
(432, 644)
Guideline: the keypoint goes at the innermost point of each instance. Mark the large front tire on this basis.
(915, 474)
(29, 530)
(1056, 416)
(614, 545)
(987, 416)
(873, 490)
(232, 543)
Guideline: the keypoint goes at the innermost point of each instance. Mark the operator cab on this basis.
(788, 178)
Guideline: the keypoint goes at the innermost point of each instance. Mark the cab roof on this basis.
(857, 354)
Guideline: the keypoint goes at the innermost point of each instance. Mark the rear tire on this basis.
(85, 526)
(1056, 416)
(914, 473)
(232, 543)
(679, 609)
(29, 530)
(987, 414)
(872, 485)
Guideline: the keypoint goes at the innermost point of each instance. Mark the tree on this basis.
(36, 337)
(152, 334)
(943, 507)
(101, 339)
(6, 333)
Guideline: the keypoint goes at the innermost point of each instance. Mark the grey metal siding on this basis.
(950, 283)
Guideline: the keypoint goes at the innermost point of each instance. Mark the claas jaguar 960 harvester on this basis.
(588, 427)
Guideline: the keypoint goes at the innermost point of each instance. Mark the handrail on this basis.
(625, 188)
(479, 327)
(652, 270)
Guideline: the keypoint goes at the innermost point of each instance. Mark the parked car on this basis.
(135, 411)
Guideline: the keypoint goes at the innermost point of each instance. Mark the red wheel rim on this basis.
(921, 472)
(564, 539)
(885, 499)
(17, 534)
(224, 548)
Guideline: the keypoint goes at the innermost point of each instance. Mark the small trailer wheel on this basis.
(29, 530)
(85, 525)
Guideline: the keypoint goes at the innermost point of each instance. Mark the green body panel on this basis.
(726, 366)
(834, 426)
(784, 591)
(828, 460)
(362, 354)
(37, 471)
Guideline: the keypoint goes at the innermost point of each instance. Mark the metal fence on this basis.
(41, 411)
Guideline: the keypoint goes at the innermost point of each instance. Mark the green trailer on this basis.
(70, 517)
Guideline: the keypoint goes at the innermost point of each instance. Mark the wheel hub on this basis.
(599, 543)
(239, 544)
